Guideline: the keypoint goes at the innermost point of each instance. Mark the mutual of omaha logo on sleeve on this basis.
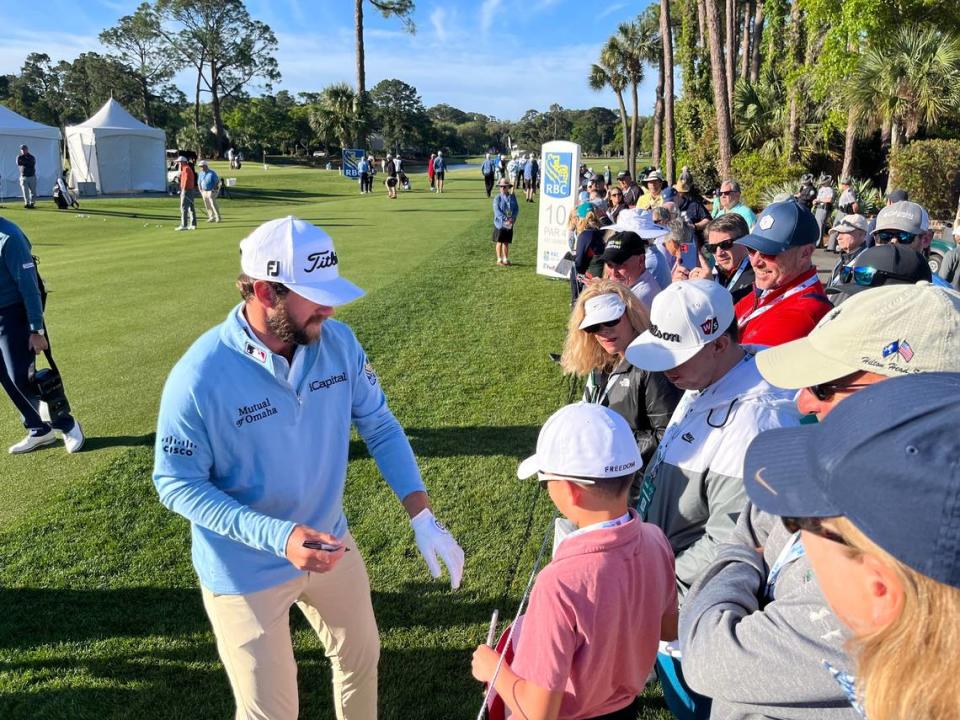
(369, 373)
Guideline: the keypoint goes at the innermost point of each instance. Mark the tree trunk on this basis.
(702, 21)
(849, 144)
(219, 133)
(894, 147)
(757, 43)
(796, 58)
(745, 40)
(358, 27)
(196, 107)
(666, 35)
(623, 127)
(658, 116)
(717, 74)
(145, 93)
(633, 129)
(731, 41)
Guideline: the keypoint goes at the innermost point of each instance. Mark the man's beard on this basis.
(284, 327)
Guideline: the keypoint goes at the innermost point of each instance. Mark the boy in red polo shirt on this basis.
(590, 635)
(788, 299)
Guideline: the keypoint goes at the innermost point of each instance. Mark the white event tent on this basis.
(117, 152)
(44, 144)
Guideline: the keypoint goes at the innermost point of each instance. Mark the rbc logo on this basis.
(558, 169)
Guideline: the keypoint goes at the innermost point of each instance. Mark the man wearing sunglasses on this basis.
(758, 598)
(788, 298)
(850, 235)
(880, 265)
(732, 267)
(730, 203)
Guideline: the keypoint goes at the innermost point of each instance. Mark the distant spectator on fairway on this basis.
(363, 169)
(505, 211)
(531, 175)
(371, 172)
(27, 164)
(431, 172)
(439, 170)
(516, 174)
(245, 415)
(598, 609)
(607, 176)
(209, 183)
(390, 170)
(23, 336)
(488, 169)
(188, 190)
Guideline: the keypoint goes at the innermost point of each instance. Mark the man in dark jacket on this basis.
(27, 164)
(22, 336)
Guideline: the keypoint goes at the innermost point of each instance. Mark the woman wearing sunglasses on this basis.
(876, 515)
(605, 320)
(615, 204)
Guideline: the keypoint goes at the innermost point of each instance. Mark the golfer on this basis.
(252, 444)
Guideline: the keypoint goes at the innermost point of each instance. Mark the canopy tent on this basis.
(44, 144)
(117, 152)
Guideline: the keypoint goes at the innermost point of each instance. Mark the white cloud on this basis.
(611, 10)
(438, 19)
(487, 13)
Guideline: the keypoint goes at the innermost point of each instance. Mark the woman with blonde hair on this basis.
(874, 493)
(605, 320)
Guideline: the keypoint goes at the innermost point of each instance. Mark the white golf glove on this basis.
(433, 540)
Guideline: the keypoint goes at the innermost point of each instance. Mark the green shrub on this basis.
(757, 174)
(928, 170)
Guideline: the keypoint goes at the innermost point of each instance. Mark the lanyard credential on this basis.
(757, 312)
(744, 264)
(649, 486)
(791, 552)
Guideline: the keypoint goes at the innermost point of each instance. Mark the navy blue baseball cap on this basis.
(886, 458)
(781, 226)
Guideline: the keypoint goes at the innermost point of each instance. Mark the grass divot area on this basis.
(100, 614)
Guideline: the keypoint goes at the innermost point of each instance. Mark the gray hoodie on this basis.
(756, 657)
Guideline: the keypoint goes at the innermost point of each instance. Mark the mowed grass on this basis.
(100, 615)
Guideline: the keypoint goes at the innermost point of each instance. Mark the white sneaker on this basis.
(32, 442)
(178, 229)
(192, 227)
(74, 438)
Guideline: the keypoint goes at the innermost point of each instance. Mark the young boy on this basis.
(599, 608)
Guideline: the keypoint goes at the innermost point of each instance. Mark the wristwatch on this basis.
(41, 332)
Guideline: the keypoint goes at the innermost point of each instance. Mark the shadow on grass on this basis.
(510, 440)
(281, 196)
(107, 441)
(130, 652)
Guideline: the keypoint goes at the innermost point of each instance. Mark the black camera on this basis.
(48, 384)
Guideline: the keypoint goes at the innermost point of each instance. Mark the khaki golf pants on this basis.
(253, 639)
(210, 203)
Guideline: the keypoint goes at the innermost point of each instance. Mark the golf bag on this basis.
(404, 180)
(59, 200)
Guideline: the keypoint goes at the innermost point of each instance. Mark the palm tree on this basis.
(666, 70)
(625, 50)
(759, 108)
(652, 54)
(605, 73)
(334, 117)
(719, 80)
(402, 9)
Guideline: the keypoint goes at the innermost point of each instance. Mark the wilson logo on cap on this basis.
(668, 337)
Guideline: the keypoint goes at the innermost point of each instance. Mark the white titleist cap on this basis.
(584, 441)
(602, 308)
(300, 256)
(684, 317)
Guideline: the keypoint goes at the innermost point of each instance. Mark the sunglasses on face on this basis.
(723, 245)
(814, 526)
(825, 391)
(901, 236)
(766, 256)
(593, 329)
(868, 276)
(725, 193)
(615, 194)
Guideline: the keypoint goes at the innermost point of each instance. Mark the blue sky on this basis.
(498, 57)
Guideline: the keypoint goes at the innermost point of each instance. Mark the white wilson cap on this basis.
(586, 441)
(684, 317)
(299, 255)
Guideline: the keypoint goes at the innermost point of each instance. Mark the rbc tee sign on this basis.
(558, 196)
(352, 158)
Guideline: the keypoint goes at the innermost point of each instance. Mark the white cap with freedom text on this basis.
(299, 255)
(584, 441)
(684, 317)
